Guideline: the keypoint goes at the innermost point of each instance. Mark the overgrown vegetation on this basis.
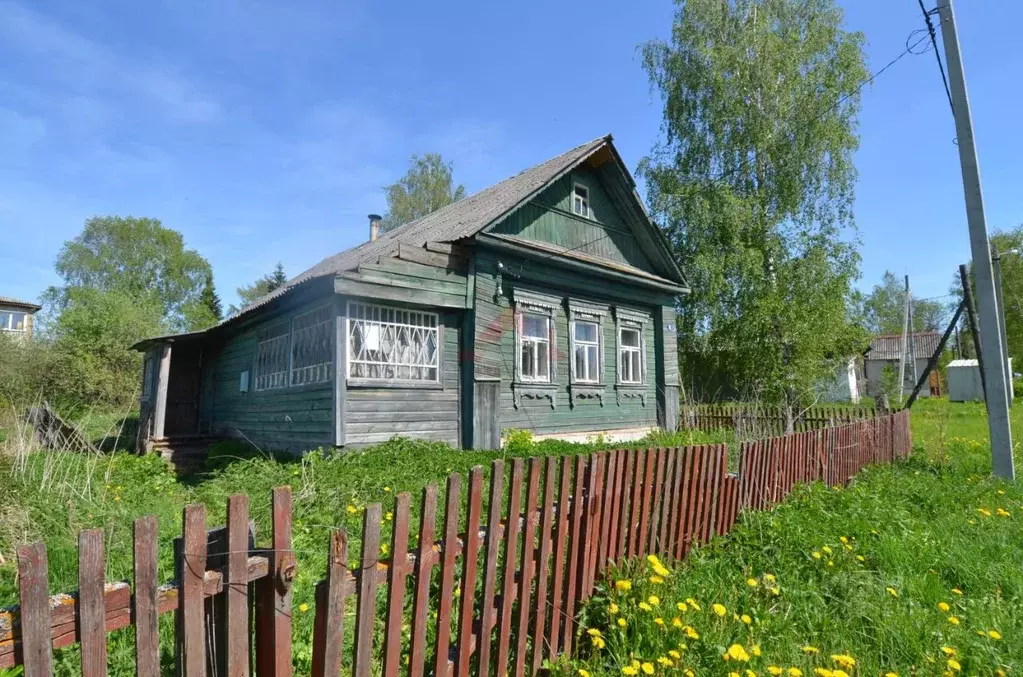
(912, 569)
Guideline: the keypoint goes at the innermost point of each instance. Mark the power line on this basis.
(937, 54)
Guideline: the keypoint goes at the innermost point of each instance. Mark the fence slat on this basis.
(526, 566)
(558, 586)
(91, 608)
(470, 563)
(397, 575)
(624, 523)
(273, 616)
(34, 593)
(366, 602)
(511, 542)
(543, 564)
(486, 615)
(193, 570)
(574, 556)
(143, 601)
(237, 586)
(613, 501)
(447, 575)
(655, 503)
(635, 500)
(424, 567)
(644, 516)
(675, 480)
(591, 526)
(328, 631)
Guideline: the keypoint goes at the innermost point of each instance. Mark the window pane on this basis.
(634, 361)
(386, 343)
(528, 363)
(586, 331)
(630, 338)
(5, 320)
(542, 359)
(534, 326)
(593, 363)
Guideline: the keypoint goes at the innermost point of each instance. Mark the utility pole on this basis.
(912, 333)
(902, 343)
(997, 406)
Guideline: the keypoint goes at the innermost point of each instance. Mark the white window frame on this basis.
(583, 311)
(638, 350)
(539, 305)
(577, 342)
(585, 200)
(9, 321)
(426, 316)
(636, 320)
(536, 343)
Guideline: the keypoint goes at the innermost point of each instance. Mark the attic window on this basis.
(581, 200)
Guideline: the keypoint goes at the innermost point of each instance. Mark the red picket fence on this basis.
(751, 420)
(509, 585)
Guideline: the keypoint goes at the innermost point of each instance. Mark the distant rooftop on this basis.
(889, 346)
(27, 305)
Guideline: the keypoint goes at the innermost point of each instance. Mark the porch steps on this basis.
(186, 453)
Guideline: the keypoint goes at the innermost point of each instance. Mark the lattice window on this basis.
(272, 357)
(312, 347)
(392, 344)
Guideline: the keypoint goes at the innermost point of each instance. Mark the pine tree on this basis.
(211, 300)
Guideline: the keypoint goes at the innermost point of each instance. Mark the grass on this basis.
(864, 572)
(54, 496)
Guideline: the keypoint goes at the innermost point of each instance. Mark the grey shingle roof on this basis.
(7, 300)
(458, 220)
(889, 347)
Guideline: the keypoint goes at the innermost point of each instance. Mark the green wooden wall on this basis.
(549, 218)
(494, 349)
(286, 419)
(374, 415)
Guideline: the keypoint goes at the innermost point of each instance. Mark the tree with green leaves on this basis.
(425, 188)
(136, 257)
(753, 182)
(884, 309)
(211, 302)
(260, 288)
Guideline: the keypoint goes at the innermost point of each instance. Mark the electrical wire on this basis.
(937, 54)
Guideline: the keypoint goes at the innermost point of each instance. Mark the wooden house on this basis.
(17, 318)
(545, 302)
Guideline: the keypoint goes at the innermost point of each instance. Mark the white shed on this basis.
(964, 384)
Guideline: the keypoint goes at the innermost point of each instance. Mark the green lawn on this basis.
(930, 538)
(913, 569)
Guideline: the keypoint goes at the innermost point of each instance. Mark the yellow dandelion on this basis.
(824, 672)
(774, 670)
(691, 632)
(622, 623)
(776, 591)
(953, 620)
(593, 632)
(352, 509)
(387, 489)
(750, 673)
(738, 652)
(943, 606)
(746, 619)
(645, 607)
(623, 585)
(845, 660)
(826, 549)
(653, 600)
(956, 591)
(861, 558)
(630, 671)
(769, 578)
(994, 634)
(303, 608)
(659, 621)
(648, 668)
(948, 651)
(689, 672)
(816, 555)
(810, 649)
(598, 642)
(692, 602)
(984, 511)
(756, 649)
(843, 539)
(752, 582)
(677, 622)
(681, 606)
(665, 661)
(719, 609)
(795, 672)
(583, 672)
(953, 665)
(891, 674)
(893, 592)
(384, 548)
(612, 608)
(389, 516)
(656, 580)
(675, 654)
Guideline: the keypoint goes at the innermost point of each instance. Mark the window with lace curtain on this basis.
(393, 344)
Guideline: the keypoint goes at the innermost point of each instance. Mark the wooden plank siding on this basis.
(495, 349)
(549, 218)
(284, 419)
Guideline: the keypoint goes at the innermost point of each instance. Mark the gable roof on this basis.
(26, 305)
(467, 217)
(889, 346)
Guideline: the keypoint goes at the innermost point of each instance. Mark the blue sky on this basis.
(265, 131)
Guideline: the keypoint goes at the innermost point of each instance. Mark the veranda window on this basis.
(392, 344)
(272, 357)
(312, 347)
(535, 347)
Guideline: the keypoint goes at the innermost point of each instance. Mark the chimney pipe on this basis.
(374, 226)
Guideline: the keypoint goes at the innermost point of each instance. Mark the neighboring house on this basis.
(843, 384)
(886, 351)
(545, 302)
(17, 318)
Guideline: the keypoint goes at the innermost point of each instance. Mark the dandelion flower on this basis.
(387, 489)
(623, 585)
(691, 632)
(648, 668)
(656, 580)
(769, 578)
(384, 548)
(948, 651)
(750, 673)
(776, 591)
(751, 582)
(645, 607)
(837, 672)
(622, 623)
(583, 672)
(816, 555)
(665, 661)
(681, 606)
(689, 672)
(738, 652)
(953, 665)
(675, 654)
(653, 600)
(795, 672)
(719, 609)
(845, 660)
(893, 592)
(746, 619)
(593, 632)
(826, 549)
(598, 642)
(389, 516)
(659, 621)
(756, 649)
(891, 674)
(612, 608)
(630, 671)
(774, 670)
(677, 622)
(811, 649)
(984, 511)
(994, 634)
(956, 591)
(953, 620)
(843, 539)
(861, 558)
(943, 606)
(824, 672)
(692, 602)
(352, 509)
(303, 608)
